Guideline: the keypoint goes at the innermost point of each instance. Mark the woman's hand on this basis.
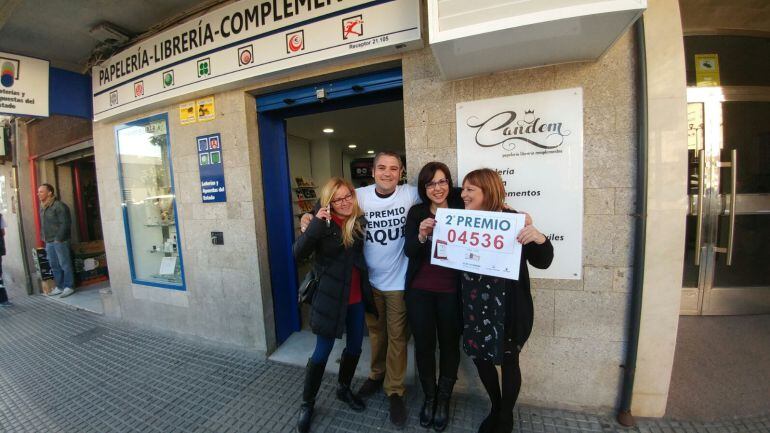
(426, 229)
(305, 221)
(530, 234)
(527, 219)
(324, 214)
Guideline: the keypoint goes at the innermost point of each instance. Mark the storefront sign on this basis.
(248, 39)
(211, 169)
(23, 85)
(476, 241)
(535, 142)
(706, 70)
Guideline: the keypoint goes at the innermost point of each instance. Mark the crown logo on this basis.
(529, 112)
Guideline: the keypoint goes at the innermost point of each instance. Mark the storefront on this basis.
(208, 143)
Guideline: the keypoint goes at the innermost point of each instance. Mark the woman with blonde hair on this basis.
(498, 313)
(335, 238)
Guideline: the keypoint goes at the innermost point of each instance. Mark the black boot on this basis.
(3, 293)
(429, 405)
(348, 365)
(314, 374)
(441, 417)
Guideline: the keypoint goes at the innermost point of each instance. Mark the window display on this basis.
(149, 205)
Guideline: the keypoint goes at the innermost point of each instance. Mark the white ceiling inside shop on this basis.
(372, 127)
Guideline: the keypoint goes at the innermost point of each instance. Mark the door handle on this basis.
(699, 216)
(733, 164)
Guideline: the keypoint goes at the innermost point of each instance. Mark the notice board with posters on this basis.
(535, 142)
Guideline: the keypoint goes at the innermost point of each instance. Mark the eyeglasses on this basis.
(440, 182)
(338, 201)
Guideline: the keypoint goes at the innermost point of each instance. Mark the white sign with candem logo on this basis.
(535, 142)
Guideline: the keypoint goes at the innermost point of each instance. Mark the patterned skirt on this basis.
(483, 316)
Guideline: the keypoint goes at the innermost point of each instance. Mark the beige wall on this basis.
(223, 300)
(579, 325)
(666, 206)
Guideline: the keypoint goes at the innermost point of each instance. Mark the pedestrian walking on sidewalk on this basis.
(4, 302)
(432, 296)
(342, 296)
(498, 313)
(55, 223)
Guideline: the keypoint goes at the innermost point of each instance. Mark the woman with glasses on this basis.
(335, 237)
(432, 297)
(498, 313)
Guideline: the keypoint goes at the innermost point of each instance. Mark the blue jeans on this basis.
(58, 254)
(354, 323)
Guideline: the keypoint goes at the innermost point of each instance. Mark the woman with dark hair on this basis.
(498, 313)
(335, 238)
(432, 297)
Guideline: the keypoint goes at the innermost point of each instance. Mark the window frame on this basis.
(124, 210)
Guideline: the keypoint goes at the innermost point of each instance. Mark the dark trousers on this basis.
(502, 393)
(435, 317)
(354, 333)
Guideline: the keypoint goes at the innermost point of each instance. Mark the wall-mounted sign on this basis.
(211, 167)
(23, 85)
(706, 70)
(205, 108)
(247, 39)
(535, 142)
(187, 113)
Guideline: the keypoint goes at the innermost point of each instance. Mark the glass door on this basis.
(728, 226)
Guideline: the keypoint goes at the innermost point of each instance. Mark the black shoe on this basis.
(397, 410)
(504, 422)
(370, 387)
(443, 395)
(348, 365)
(314, 374)
(429, 405)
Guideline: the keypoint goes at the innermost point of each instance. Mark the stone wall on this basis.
(223, 300)
(578, 342)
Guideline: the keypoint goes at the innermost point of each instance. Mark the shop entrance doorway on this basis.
(72, 172)
(365, 111)
(720, 365)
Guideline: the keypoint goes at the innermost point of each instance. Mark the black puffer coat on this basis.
(335, 264)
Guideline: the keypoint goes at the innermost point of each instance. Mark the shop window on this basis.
(149, 203)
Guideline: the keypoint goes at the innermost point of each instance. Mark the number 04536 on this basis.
(475, 239)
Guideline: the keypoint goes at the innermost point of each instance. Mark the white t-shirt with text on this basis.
(384, 243)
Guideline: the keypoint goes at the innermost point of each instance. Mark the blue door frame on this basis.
(272, 111)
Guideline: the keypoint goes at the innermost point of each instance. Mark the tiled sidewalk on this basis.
(63, 370)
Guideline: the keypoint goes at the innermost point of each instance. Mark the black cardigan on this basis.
(335, 264)
(416, 251)
(519, 308)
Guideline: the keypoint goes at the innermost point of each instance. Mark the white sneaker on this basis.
(54, 292)
(67, 291)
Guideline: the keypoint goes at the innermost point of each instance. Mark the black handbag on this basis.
(308, 287)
